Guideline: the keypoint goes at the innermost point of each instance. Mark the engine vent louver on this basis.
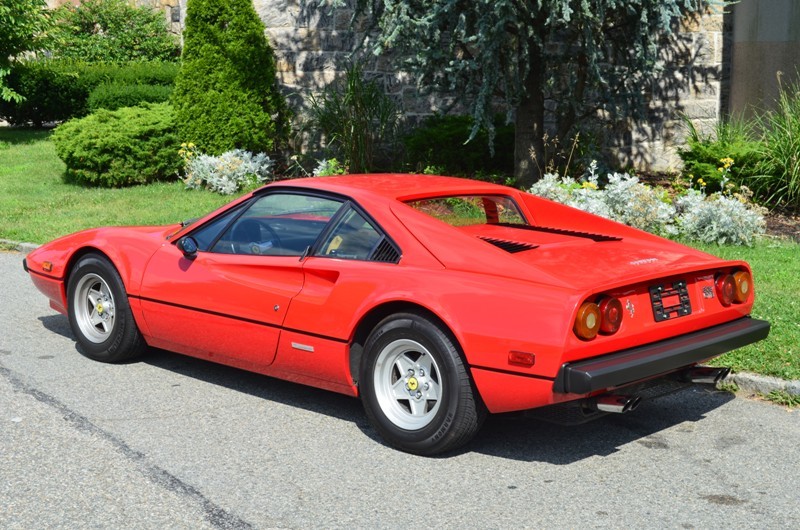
(564, 232)
(385, 252)
(512, 247)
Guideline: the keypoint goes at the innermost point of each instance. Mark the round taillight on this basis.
(726, 288)
(743, 284)
(587, 323)
(610, 315)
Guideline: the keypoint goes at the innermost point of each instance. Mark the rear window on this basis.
(466, 210)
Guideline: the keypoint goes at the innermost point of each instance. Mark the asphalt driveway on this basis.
(173, 442)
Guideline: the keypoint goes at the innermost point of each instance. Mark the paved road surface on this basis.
(173, 442)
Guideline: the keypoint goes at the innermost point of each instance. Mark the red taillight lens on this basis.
(743, 284)
(587, 323)
(610, 315)
(726, 288)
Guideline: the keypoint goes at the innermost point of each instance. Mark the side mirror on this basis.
(188, 246)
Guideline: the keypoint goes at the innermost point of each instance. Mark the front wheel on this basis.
(99, 313)
(415, 387)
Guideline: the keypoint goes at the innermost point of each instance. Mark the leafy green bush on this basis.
(778, 175)
(132, 145)
(111, 31)
(226, 96)
(732, 139)
(440, 141)
(356, 117)
(113, 96)
(57, 90)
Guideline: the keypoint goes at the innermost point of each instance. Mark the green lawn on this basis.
(36, 206)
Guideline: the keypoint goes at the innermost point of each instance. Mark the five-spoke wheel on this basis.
(99, 313)
(415, 386)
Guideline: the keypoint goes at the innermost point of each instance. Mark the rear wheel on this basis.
(415, 387)
(99, 313)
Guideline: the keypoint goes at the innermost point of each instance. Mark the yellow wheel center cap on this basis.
(412, 383)
(99, 309)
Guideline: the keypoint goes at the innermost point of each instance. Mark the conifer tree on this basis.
(583, 55)
(226, 94)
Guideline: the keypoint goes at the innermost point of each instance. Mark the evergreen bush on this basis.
(226, 96)
(442, 141)
(113, 96)
(132, 145)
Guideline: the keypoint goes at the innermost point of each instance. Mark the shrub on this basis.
(356, 117)
(227, 173)
(732, 139)
(226, 96)
(112, 96)
(132, 145)
(440, 141)
(716, 218)
(51, 94)
(328, 167)
(57, 90)
(111, 31)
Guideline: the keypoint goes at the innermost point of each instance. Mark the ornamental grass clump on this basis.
(227, 173)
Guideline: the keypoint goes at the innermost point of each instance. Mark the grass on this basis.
(37, 206)
(776, 272)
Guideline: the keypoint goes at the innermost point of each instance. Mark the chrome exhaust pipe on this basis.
(616, 404)
(708, 375)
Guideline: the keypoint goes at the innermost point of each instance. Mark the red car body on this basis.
(507, 294)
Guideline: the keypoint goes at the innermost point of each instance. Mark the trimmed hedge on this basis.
(57, 90)
(132, 145)
(113, 96)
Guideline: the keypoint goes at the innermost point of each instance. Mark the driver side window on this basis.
(279, 224)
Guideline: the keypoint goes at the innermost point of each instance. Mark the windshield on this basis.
(466, 210)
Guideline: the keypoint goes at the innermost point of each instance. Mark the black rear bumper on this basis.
(643, 362)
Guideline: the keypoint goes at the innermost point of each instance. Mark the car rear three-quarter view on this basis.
(436, 300)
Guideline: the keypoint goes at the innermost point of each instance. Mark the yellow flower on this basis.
(590, 185)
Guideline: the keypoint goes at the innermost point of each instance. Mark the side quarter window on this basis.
(355, 238)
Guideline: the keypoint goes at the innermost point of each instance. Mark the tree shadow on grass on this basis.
(22, 135)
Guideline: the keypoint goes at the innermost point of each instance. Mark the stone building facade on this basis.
(313, 42)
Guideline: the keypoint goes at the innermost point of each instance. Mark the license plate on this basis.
(670, 300)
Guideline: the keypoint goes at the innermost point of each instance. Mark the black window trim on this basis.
(346, 204)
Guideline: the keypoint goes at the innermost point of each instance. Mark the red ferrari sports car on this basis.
(434, 299)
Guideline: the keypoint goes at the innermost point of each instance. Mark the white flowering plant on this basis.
(722, 218)
(227, 173)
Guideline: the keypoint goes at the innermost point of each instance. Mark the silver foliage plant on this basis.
(717, 218)
(229, 172)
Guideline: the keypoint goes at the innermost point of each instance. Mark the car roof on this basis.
(397, 186)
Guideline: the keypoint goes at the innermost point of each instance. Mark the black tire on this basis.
(415, 387)
(99, 313)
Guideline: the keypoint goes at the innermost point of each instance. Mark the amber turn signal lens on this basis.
(743, 284)
(610, 315)
(587, 323)
(726, 288)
